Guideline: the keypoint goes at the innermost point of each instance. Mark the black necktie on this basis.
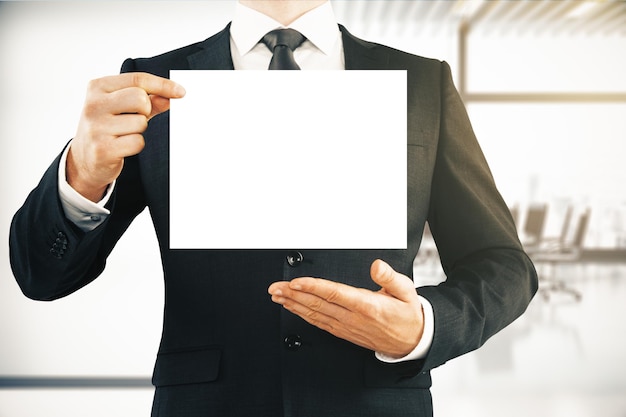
(282, 43)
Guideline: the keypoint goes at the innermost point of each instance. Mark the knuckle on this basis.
(376, 312)
(137, 78)
(164, 84)
(94, 85)
(93, 105)
(316, 305)
(333, 294)
(312, 315)
(141, 100)
(387, 277)
(142, 123)
(139, 94)
(138, 143)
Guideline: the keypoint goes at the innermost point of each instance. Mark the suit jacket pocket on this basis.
(186, 367)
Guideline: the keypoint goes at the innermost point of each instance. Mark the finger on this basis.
(322, 314)
(395, 284)
(129, 145)
(346, 296)
(337, 327)
(159, 105)
(129, 100)
(308, 304)
(150, 83)
(316, 316)
(278, 286)
(126, 124)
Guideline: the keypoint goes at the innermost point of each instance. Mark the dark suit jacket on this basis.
(226, 348)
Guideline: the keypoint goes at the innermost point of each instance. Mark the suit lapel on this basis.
(215, 53)
(361, 55)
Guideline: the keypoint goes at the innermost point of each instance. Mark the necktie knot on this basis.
(287, 37)
(282, 43)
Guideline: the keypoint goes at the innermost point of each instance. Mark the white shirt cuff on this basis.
(422, 348)
(84, 213)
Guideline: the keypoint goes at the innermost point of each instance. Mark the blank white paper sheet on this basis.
(288, 159)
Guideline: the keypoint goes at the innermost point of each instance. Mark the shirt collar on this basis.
(319, 26)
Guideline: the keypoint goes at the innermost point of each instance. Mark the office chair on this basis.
(532, 233)
(567, 251)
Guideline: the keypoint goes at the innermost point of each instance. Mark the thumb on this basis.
(394, 283)
(159, 105)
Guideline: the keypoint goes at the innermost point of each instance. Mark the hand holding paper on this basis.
(115, 114)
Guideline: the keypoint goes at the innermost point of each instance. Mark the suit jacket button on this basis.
(294, 258)
(293, 342)
(61, 238)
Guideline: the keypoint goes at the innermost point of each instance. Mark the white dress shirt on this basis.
(322, 50)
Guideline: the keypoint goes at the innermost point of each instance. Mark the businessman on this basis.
(342, 332)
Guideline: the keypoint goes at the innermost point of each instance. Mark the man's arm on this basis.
(489, 279)
(52, 257)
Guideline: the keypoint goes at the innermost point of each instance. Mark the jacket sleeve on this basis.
(50, 257)
(489, 279)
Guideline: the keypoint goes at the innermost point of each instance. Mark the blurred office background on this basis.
(544, 85)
